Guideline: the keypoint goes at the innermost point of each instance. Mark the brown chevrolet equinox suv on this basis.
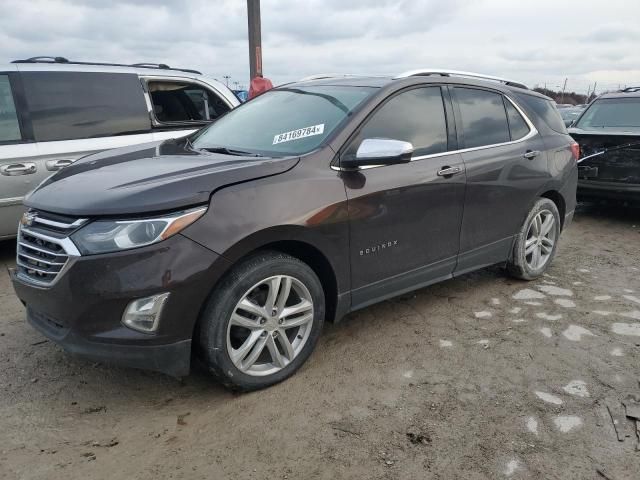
(312, 200)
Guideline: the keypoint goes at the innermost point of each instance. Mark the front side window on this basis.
(9, 127)
(78, 105)
(283, 121)
(484, 120)
(613, 113)
(517, 124)
(416, 116)
(179, 102)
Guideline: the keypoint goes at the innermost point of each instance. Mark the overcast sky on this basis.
(537, 42)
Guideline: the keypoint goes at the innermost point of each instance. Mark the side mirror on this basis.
(379, 151)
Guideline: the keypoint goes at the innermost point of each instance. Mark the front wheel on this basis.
(536, 242)
(262, 322)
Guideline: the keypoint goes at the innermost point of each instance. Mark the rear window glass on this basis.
(517, 125)
(546, 110)
(70, 105)
(612, 112)
(484, 120)
(9, 128)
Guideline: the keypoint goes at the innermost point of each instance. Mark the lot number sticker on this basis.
(299, 133)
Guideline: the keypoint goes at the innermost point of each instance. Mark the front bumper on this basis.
(82, 310)
(589, 189)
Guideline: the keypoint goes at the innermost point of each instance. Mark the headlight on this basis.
(105, 236)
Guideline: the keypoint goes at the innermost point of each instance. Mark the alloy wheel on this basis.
(541, 237)
(270, 325)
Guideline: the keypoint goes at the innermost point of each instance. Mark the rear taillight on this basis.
(575, 150)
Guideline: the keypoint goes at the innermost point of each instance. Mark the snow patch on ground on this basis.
(565, 302)
(617, 352)
(575, 333)
(482, 314)
(535, 304)
(635, 314)
(578, 283)
(557, 291)
(408, 374)
(546, 316)
(583, 270)
(548, 397)
(631, 298)
(626, 329)
(577, 388)
(602, 312)
(532, 425)
(528, 294)
(512, 466)
(566, 423)
(518, 320)
(446, 343)
(546, 331)
(495, 301)
(602, 298)
(515, 310)
(483, 341)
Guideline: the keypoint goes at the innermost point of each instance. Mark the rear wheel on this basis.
(263, 321)
(537, 241)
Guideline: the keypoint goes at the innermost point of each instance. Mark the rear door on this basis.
(506, 165)
(405, 219)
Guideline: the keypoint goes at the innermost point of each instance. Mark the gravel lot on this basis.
(458, 380)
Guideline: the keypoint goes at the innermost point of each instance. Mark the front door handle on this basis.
(449, 171)
(531, 154)
(14, 169)
(53, 165)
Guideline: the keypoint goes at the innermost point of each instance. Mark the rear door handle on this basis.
(14, 169)
(449, 171)
(53, 165)
(531, 154)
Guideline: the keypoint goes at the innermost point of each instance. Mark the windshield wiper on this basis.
(230, 151)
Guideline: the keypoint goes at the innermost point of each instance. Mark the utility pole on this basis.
(586, 100)
(255, 41)
(594, 89)
(226, 79)
(563, 89)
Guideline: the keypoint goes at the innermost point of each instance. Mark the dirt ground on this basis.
(457, 380)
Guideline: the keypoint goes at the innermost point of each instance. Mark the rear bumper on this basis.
(608, 190)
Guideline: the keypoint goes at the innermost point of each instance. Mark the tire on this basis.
(229, 336)
(523, 263)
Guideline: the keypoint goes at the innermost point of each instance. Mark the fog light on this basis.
(144, 314)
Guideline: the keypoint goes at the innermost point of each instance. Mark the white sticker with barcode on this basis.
(298, 134)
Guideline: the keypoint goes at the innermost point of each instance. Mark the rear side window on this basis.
(546, 110)
(9, 127)
(415, 116)
(69, 105)
(180, 102)
(484, 121)
(517, 125)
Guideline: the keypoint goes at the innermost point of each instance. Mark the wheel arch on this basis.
(556, 197)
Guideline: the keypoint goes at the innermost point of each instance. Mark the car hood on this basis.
(147, 178)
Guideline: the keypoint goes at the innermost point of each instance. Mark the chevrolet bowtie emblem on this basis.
(28, 218)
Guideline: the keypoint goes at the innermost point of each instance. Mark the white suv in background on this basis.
(54, 111)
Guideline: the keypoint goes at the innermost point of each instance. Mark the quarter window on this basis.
(415, 116)
(70, 105)
(517, 124)
(9, 127)
(484, 121)
(180, 102)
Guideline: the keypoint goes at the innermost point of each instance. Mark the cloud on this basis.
(537, 45)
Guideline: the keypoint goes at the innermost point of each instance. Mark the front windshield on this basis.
(283, 121)
(612, 113)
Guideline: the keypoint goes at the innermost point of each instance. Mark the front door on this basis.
(404, 219)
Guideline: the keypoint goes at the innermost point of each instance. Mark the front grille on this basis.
(44, 246)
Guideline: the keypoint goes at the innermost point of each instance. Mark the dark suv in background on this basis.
(609, 136)
(312, 200)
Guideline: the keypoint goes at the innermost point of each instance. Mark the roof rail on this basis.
(458, 73)
(319, 76)
(631, 89)
(160, 66)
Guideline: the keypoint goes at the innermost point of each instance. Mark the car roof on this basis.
(632, 92)
(108, 68)
(380, 81)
